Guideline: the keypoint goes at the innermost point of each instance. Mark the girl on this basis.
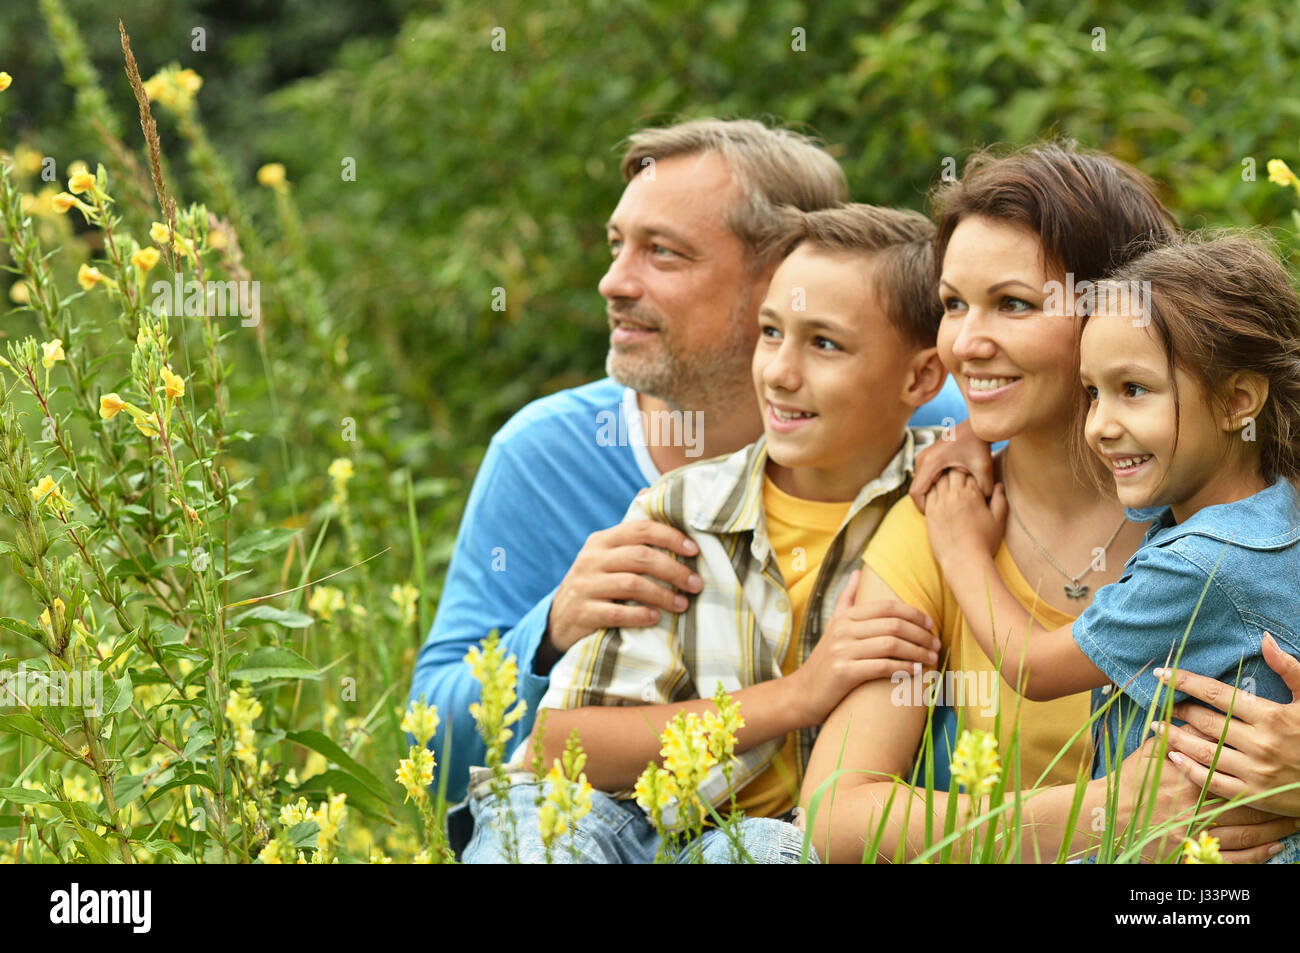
(1190, 363)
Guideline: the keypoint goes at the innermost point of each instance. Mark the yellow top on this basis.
(800, 532)
(900, 555)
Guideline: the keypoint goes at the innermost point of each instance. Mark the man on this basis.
(533, 556)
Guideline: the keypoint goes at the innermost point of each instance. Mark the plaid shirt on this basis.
(738, 629)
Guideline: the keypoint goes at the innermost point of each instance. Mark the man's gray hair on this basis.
(773, 167)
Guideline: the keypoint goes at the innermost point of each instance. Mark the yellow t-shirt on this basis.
(900, 555)
(800, 532)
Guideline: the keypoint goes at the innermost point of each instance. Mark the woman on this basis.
(1017, 236)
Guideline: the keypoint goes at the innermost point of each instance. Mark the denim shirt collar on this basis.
(1269, 519)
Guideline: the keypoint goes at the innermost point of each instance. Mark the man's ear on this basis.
(1245, 393)
(925, 377)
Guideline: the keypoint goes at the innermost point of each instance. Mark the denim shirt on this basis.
(1241, 562)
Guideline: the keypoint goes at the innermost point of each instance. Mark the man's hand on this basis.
(612, 565)
(1262, 746)
(861, 642)
(959, 520)
(965, 453)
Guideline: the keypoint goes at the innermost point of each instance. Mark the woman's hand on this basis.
(1261, 750)
(959, 520)
(964, 452)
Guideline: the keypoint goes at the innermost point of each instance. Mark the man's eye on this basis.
(668, 252)
(1130, 387)
(614, 247)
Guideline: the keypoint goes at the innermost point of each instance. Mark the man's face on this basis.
(681, 303)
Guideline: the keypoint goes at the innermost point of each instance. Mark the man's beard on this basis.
(687, 381)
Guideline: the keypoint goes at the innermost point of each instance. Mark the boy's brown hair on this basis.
(900, 245)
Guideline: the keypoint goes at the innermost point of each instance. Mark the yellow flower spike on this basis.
(325, 601)
(272, 176)
(81, 182)
(88, 276)
(1204, 850)
(145, 259)
(110, 405)
(5, 81)
(174, 386)
(975, 762)
(421, 721)
(415, 772)
(52, 353)
(1279, 173)
(405, 597)
(188, 81)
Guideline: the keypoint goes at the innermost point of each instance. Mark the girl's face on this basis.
(1013, 361)
(1131, 419)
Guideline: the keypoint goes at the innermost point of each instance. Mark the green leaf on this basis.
(24, 796)
(127, 789)
(252, 546)
(358, 796)
(119, 696)
(197, 740)
(272, 662)
(303, 834)
(285, 617)
(330, 749)
(22, 628)
(25, 724)
(196, 779)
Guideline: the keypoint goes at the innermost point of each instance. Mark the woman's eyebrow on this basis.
(1013, 281)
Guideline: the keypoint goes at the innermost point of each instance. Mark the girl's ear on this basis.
(925, 378)
(1246, 393)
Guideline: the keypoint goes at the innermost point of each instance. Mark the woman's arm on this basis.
(965, 533)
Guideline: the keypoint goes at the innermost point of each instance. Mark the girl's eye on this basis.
(831, 345)
(1130, 387)
(769, 331)
(1090, 391)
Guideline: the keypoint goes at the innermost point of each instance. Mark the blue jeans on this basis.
(619, 832)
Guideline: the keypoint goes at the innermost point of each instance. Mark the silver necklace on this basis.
(1074, 589)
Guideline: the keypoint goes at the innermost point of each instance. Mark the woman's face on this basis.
(1013, 361)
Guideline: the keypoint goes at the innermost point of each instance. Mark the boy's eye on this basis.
(769, 331)
(1090, 391)
(1130, 387)
(829, 345)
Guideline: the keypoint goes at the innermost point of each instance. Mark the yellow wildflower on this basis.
(1204, 850)
(52, 352)
(568, 795)
(329, 817)
(81, 182)
(48, 492)
(655, 790)
(405, 597)
(19, 293)
(377, 856)
(88, 276)
(271, 176)
(325, 601)
(415, 772)
(174, 88)
(5, 80)
(146, 425)
(722, 725)
(159, 234)
(173, 385)
(64, 202)
(59, 609)
(686, 754)
(242, 709)
(1279, 173)
(275, 852)
(291, 814)
(421, 720)
(110, 405)
(341, 471)
(28, 160)
(188, 81)
(422, 857)
(975, 762)
(145, 258)
(498, 675)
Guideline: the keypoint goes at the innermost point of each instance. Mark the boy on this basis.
(846, 353)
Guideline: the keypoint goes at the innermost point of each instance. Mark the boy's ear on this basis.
(1246, 393)
(925, 377)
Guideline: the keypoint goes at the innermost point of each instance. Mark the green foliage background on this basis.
(479, 169)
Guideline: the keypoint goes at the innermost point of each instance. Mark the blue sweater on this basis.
(561, 469)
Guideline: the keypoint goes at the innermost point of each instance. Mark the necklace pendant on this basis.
(1076, 590)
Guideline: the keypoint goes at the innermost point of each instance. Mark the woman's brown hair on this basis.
(1091, 212)
(1220, 303)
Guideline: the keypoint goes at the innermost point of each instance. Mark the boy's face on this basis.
(1131, 418)
(829, 370)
